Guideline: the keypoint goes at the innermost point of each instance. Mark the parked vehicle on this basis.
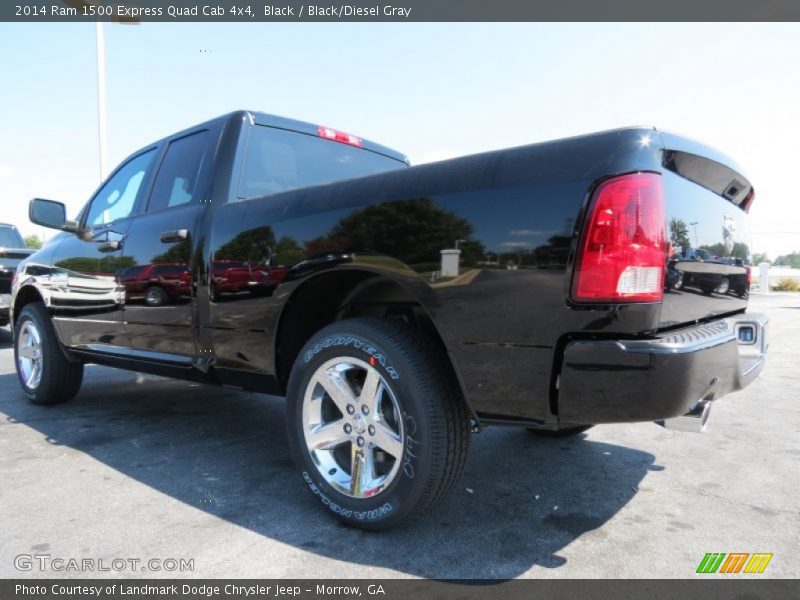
(12, 251)
(156, 283)
(698, 268)
(243, 276)
(385, 373)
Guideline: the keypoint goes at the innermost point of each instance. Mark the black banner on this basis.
(406, 589)
(399, 11)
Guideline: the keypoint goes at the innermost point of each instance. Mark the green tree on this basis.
(33, 241)
(760, 257)
(679, 234)
(788, 260)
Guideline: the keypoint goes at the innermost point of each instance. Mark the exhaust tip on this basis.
(694, 421)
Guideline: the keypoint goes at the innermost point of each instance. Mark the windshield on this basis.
(277, 160)
(10, 238)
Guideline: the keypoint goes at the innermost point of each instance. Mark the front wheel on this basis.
(46, 376)
(375, 421)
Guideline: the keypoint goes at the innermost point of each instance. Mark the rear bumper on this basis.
(617, 381)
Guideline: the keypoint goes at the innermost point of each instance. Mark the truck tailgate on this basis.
(706, 197)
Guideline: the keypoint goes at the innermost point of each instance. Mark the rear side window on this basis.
(169, 270)
(277, 160)
(178, 179)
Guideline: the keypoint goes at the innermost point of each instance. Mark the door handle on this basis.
(109, 246)
(176, 235)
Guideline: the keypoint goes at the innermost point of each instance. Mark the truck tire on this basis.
(724, 286)
(46, 376)
(155, 296)
(561, 432)
(376, 422)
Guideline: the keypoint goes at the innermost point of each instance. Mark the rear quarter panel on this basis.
(503, 326)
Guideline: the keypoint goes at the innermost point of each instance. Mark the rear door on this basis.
(163, 239)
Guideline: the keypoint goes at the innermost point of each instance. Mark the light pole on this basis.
(102, 125)
(696, 241)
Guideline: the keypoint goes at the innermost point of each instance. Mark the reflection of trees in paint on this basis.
(107, 264)
(413, 231)
(740, 250)
(287, 252)
(179, 253)
(255, 244)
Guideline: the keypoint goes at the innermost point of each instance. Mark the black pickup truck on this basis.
(398, 309)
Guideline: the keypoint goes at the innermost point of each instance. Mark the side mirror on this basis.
(50, 213)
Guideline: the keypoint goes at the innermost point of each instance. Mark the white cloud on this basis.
(515, 245)
(6, 171)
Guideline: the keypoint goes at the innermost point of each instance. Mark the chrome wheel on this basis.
(723, 286)
(29, 355)
(154, 297)
(352, 427)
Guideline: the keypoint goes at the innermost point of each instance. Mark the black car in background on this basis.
(696, 269)
(12, 250)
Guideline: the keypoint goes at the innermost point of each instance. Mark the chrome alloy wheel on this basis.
(353, 427)
(29, 355)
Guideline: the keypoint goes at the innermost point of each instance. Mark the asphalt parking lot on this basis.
(143, 467)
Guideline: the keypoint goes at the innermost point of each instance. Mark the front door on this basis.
(87, 298)
(161, 248)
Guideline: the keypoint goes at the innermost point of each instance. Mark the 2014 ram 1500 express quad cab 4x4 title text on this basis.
(399, 308)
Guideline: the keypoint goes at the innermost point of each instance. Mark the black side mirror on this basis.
(50, 213)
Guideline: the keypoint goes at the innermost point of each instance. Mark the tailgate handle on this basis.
(176, 235)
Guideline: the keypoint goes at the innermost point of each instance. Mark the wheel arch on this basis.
(24, 296)
(338, 294)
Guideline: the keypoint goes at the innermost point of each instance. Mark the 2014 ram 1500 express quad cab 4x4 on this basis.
(400, 308)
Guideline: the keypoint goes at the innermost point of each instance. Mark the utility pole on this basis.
(102, 124)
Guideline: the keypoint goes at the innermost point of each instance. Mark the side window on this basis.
(116, 198)
(177, 181)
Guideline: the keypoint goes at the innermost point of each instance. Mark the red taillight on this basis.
(338, 136)
(623, 251)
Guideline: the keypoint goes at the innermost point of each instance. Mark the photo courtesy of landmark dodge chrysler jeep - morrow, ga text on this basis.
(399, 309)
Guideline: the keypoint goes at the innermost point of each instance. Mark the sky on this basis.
(432, 91)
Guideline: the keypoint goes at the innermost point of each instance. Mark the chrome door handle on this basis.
(176, 235)
(109, 246)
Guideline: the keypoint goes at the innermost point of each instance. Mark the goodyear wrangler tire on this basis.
(46, 376)
(376, 423)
